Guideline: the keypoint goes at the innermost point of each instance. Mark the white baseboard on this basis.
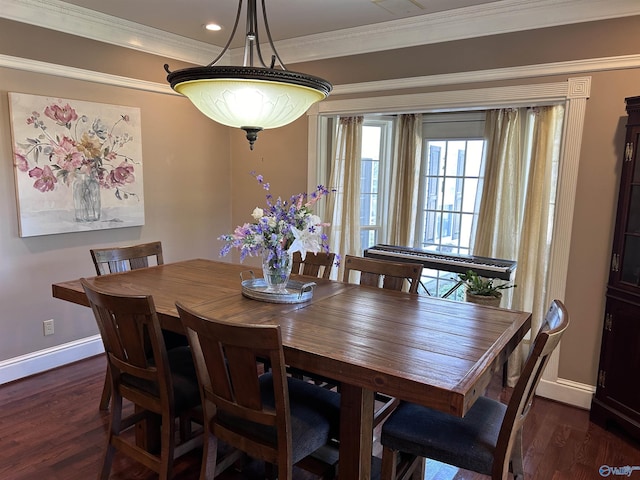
(43, 360)
(567, 391)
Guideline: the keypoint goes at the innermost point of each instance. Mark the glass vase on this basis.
(86, 198)
(276, 269)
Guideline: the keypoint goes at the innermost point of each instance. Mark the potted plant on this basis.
(482, 290)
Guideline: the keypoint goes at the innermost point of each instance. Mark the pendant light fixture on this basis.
(249, 97)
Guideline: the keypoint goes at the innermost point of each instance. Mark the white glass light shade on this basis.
(251, 98)
(238, 102)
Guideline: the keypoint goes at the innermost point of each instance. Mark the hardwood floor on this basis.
(50, 429)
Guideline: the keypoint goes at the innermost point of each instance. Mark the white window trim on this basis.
(573, 93)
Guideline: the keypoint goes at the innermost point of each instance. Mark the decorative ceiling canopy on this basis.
(249, 97)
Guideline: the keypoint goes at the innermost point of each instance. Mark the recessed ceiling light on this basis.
(214, 27)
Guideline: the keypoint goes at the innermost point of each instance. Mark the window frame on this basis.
(573, 93)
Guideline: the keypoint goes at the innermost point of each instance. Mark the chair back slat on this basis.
(555, 323)
(226, 357)
(314, 264)
(131, 335)
(383, 273)
(123, 259)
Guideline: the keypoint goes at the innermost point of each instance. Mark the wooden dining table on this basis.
(436, 352)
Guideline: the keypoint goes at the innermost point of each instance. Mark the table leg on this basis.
(356, 432)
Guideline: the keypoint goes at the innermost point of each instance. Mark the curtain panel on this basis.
(518, 204)
(344, 205)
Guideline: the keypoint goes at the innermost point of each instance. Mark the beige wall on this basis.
(188, 217)
(187, 192)
(602, 141)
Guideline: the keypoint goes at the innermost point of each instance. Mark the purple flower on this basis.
(283, 227)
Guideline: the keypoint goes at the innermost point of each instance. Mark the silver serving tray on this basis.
(295, 292)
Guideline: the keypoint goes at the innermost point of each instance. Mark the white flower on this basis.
(258, 213)
(314, 220)
(306, 241)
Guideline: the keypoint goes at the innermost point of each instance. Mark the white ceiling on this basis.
(287, 18)
(304, 30)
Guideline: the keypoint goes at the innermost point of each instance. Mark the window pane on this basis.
(474, 158)
(469, 196)
(368, 238)
(371, 141)
(455, 155)
(449, 194)
(466, 223)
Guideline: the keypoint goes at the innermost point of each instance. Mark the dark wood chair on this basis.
(272, 417)
(383, 273)
(392, 276)
(488, 439)
(123, 259)
(162, 385)
(314, 264)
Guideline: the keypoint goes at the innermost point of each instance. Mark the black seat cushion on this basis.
(467, 442)
(186, 392)
(315, 416)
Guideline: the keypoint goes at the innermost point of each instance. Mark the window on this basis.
(449, 186)
(376, 144)
(449, 190)
(449, 194)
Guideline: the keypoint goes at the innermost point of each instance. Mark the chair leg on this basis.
(167, 447)
(420, 469)
(401, 466)
(114, 431)
(106, 391)
(209, 457)
(389, 464)
(517, 459)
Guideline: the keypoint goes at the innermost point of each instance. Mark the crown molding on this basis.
(68, 18)
(45, 68)
(504, 16)
(572, 67)
(499, 17)
(577, 88)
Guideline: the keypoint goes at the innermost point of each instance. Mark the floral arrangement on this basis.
(284, 227)
(84, 146)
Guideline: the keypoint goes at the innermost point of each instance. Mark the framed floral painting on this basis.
(77, 164)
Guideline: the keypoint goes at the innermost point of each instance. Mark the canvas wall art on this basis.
(77, 164)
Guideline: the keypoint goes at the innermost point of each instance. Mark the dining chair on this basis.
(122, 259)
(383, 273)
(391, 276)
(488, 439)
(161, 384)
(314, 264)
(272, 417)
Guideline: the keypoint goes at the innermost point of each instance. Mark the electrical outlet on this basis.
(48, 327)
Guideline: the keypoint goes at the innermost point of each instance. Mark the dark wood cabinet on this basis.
(617, 397)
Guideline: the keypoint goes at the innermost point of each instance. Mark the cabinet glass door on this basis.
(630, 257)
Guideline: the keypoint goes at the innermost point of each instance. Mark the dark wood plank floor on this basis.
(50, 428)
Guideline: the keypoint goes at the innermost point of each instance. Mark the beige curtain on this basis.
(517, 208)
(405, 172)
(344, 206)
